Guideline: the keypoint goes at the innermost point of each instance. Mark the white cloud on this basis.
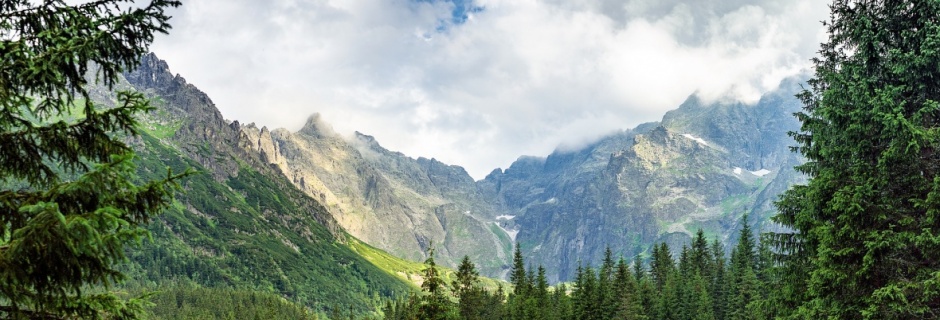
(519, 77)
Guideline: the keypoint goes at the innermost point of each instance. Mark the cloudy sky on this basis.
(478, 83)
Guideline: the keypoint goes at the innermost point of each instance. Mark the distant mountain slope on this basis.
(390, 201)
(704, 167)
(241, 224)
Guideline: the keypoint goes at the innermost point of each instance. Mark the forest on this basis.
(701, 284)
(859, 240)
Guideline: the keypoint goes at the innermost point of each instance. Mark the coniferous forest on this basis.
(860, 239)
(699, 281)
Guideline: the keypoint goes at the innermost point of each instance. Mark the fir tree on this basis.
(518, 276)
(638, 272)
(470, 296)
(661, 265)
(701, 255)
(744, 254)
(522, 287)
(719, 288)
(627, 294)
(434, 304)
(71, 204)
(605, 286)
(867, 224)
(561, 303)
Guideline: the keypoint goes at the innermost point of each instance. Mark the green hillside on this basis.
(254, 232)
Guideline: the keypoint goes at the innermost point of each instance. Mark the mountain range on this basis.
(703, 166)
(309, 215)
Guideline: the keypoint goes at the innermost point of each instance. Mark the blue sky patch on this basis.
(462, 11)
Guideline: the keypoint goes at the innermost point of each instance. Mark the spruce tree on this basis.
(719, 288)
(434, 304)
(522, 286)
(701, 255)
(638, 271)
(661, 265)
(627, 293)
(561, 302)
(605, 286)
(517, 276)
(744, 255)
(69, 201)
(470, 296)
(867, 224)
(540, 297)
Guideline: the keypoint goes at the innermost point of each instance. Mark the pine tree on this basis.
(470, 296)
(719, 289)
(540, 295)
(494, 307)
(561, 302)
(518, 276)
(627, 294)
(701, 255)
(661, 265)
(867, 224)
(669, 303)
(684, 301)
(592, 304)
(744, 282)
(744, 254)
(638, 272)
(522, 286)
(70, 204)
(605, 286)
(434, 304)
(700, 303)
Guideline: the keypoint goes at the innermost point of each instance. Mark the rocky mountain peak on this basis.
(152, 72)
(317, 128)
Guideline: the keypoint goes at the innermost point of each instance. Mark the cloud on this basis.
(480, 83)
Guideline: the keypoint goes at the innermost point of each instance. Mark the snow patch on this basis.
(512, 233)
(551, 201)
(696, 139)
(505, 217)
(761, 172)
(738, 170)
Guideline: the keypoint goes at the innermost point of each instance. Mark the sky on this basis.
(478, 83)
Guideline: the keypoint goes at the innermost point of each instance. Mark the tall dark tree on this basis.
(522, 286)
(744, 289)
(867, 224)
(627, 294)
(540, 298)
(471, 297)
(719, 288)
(701, 255)
(744, 255)
(434, 304)
(605, 286)
(69, 203)
(638, 271)
(518, 276)
(661, 265)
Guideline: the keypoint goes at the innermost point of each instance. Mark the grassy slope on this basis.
(252, 233)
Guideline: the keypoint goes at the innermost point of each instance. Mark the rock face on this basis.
(238, 223)
(388, 200)
(703, 166)
(201, 131)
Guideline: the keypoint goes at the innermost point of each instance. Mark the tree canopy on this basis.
(866, 233)
(69, 201)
